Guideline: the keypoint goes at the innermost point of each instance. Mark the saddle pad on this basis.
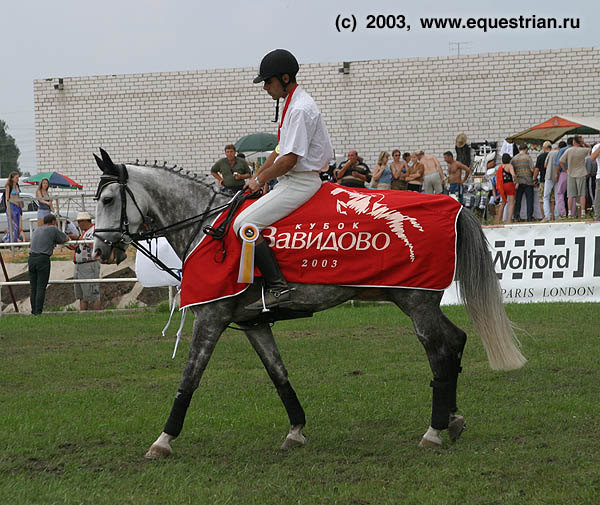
(344, 236)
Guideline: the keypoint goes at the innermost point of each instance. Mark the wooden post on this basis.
(12, 296)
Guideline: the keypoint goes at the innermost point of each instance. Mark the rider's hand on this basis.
(252, 185)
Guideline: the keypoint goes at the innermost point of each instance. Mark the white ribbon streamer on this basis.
(181, 324)
(179, 331)
(172, 311)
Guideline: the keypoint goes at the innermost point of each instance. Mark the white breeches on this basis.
(293, 190)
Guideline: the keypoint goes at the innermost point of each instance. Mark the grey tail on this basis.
(479, 290)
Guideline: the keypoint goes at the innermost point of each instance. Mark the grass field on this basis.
(83, 396)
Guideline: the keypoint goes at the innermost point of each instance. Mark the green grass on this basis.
(83, 396)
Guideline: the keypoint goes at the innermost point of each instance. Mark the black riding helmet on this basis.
(275, 64)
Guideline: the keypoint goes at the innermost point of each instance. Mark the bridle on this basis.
(127, 238)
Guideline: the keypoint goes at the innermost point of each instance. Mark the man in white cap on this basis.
(86, 267)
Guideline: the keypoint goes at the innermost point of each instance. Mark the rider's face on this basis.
(274, 87)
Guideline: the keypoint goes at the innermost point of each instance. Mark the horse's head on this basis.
(118, 214)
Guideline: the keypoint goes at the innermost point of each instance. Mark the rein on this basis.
(220, 232)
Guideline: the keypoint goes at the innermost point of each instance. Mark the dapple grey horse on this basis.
(132, 197)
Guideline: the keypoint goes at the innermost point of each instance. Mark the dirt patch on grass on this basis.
(36, 465)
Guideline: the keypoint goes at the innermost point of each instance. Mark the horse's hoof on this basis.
(431, 439)
(158, 452)
(293, 440)
(427, 443)
(456, 426)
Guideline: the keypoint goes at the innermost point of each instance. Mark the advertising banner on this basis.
(554, 262)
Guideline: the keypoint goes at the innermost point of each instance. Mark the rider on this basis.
(304, 149)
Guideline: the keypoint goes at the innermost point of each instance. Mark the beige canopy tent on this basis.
(557, 126)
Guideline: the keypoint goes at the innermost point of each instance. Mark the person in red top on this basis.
(507, 187)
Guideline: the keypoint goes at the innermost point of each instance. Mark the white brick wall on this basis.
(188, 117)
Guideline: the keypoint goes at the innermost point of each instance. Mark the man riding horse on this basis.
(304, 149)
(134, 205)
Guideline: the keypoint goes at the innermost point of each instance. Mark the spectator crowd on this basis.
(561, 180)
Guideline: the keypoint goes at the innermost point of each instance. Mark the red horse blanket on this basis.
(345, 236)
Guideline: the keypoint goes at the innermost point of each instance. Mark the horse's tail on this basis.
(480, 292)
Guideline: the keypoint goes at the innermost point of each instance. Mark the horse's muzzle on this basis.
(108, 255)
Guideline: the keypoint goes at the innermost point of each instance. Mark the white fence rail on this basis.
(63, 281)
(101, 280)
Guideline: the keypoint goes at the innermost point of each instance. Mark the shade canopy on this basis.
(557, 126)
(55, 179)
(256, 142)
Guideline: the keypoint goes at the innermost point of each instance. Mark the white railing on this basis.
(103, 280)
(26, 244)
(75, 200)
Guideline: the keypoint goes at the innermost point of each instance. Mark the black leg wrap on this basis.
(444, 396)
(292, 405)
(177, 415)
(454, 380)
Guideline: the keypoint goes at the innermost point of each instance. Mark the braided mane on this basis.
(179, 171)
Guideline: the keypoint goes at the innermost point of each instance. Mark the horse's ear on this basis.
(106, 157)
(99, 162)
(108, 165)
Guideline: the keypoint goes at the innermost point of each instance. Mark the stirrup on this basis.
(272, 298)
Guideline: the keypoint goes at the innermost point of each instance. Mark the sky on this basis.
(67, 38)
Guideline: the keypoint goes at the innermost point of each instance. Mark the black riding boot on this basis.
(277, 292)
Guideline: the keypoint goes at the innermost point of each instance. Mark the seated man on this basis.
(232, 171)
(304, 149)
(353, 172)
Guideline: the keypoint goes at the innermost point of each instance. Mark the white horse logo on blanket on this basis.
(369, 204)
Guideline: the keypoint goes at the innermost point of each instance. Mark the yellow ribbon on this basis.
(249, 234)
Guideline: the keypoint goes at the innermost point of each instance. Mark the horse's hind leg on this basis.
(207, 330)
(264, 344)
(444, 344)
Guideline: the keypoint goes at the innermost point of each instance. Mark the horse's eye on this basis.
(107, 200)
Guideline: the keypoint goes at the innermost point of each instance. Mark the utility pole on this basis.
(456, 46)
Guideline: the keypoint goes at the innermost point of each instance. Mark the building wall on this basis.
(188, 117)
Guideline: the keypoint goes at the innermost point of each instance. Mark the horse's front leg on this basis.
(261, 338)
(207, 330)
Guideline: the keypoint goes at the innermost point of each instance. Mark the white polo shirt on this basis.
(304, 133)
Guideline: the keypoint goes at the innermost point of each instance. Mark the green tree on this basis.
(9, 152)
